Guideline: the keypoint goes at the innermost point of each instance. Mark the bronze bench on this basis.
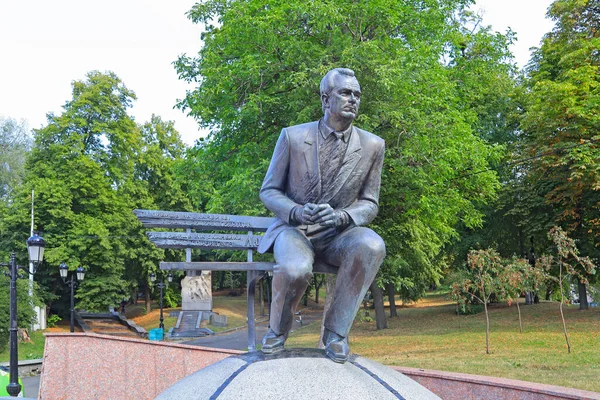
(210, 241)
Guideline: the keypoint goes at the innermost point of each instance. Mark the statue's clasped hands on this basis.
(322, 214)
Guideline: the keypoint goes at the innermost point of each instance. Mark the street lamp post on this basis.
(64, 270)
(161, 285)
(35, 246)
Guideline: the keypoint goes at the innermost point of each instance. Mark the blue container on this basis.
(155, 334)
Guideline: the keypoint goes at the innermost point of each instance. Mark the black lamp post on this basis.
(64, 271)
(161, 285)
(35, 246)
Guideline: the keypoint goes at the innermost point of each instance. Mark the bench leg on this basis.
(252, 278)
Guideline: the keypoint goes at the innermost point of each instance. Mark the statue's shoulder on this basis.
(368, 138)
(302, 128)
(298, 134)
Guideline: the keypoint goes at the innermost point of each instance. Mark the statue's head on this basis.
(340, 93)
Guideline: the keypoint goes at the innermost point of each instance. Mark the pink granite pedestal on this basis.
(92, 366)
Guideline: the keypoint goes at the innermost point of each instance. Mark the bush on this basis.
(171, 298)
(52, 320)
(469, 309)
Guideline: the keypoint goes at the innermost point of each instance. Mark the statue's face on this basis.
(344, 99)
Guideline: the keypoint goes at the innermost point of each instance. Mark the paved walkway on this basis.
(238, 340)
(31, 385)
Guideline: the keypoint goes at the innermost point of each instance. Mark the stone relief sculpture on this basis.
(196, 292)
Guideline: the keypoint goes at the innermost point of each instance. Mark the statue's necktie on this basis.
(330, 161)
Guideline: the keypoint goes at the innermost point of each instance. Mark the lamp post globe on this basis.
(35, 246)
(80, 273)
(63, 269)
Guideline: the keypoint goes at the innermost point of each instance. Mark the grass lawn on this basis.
(151, 320)
(28, 351)
(430, 335)
(234, 307)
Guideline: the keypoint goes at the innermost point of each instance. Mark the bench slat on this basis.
(206, 222)
(184, 240)
(217, 266)
(319, 266)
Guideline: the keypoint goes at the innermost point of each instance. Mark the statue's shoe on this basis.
(272, 342)
(336, 347)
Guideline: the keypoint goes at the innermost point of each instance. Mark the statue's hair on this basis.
(327, 82)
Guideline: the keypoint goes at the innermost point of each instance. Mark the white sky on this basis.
(45, 45)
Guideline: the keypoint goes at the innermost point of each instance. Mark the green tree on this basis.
(259, 71)
(90, 167)
(482, 281)
(561, 121)
(570, 266)
(25, 311)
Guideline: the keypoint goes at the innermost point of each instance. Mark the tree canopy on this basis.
(90, 167)
(435, 88)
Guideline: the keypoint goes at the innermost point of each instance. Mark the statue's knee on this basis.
(372, 245)
(300, 270)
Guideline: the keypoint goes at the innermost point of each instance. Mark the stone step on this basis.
(111, 327)
(191, 333)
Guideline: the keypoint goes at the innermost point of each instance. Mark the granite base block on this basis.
(296, 374)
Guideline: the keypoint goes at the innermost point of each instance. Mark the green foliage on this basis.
(562, 118)
(25, 310)
(171, 297)
(482, 279)
(568, 258)
(52, 320)
(570, 265)
(434, 89)
(469, 309)
(90, 167)
(232, 280)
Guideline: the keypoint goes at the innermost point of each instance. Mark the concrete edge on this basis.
(143, 341)
(512, 384)
(28, 367)
(35, 361)
(138, 330)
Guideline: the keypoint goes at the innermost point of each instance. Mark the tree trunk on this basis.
(318, 284)
(562, 300)
(487, 322)
(221, 281)
(520, 321)
(522, 243)
(380, 320)
(529, 298)
(391, 289)
(583, 303)
(147, 298)
(329, 288)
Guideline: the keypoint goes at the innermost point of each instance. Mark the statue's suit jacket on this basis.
(294, 178)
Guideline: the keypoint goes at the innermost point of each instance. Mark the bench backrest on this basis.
(203, 222)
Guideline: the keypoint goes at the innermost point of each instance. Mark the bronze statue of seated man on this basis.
(323, 187)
